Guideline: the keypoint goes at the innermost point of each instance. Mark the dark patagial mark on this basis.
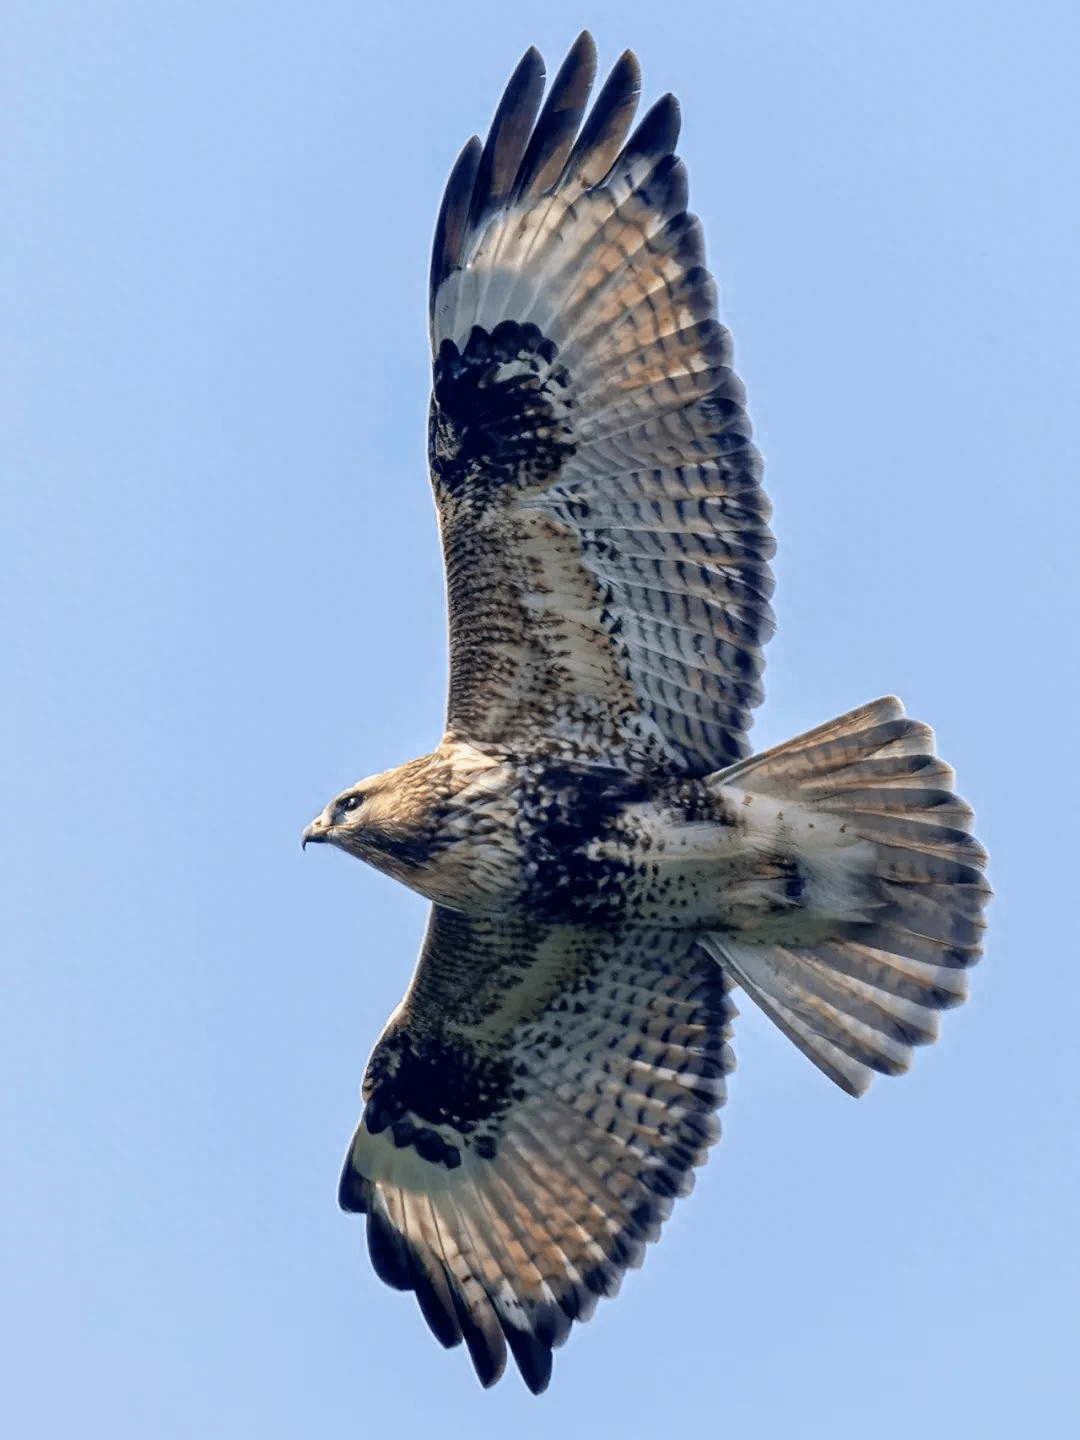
(433, 1081)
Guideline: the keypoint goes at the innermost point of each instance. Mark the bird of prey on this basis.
(606, 861)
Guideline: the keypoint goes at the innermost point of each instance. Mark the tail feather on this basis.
(844, 1061)
(860, 997)
(904, 976)
(819, 758)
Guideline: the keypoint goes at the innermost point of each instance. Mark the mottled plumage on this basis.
(604, 862)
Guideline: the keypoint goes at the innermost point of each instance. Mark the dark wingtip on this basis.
(397, 1265)
(606, 124)
(581, 60)
(354, 1192)
(626, 72)
(487, 1350)
(532, 1356)
(658, 131)
(433, 1296)
(526, 81)
(508, 137)
(390, 1256)
(581, 56)
(451, 226)
(528, 148)
(557, 126)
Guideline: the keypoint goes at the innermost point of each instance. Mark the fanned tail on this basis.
(895, 893)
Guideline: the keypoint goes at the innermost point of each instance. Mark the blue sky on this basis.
(223, 601)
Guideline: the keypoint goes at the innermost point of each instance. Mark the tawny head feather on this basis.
(386, 820)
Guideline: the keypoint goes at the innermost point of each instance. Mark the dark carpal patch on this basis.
(487, 430)
(414, 1085)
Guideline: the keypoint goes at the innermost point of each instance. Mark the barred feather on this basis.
(583, 393)
(514, 1195)
(863, 995)
(604, 865)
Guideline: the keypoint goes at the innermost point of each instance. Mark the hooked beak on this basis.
(315, 832)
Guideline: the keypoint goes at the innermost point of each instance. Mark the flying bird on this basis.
(606, 861)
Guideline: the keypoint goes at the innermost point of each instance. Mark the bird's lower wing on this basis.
(604, 529)
(532, 1110)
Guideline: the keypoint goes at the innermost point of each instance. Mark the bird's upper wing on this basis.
(532, 1108)
(603, 525)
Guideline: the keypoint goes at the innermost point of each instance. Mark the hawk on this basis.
(606, 861)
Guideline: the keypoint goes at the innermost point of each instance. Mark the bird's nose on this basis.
(315, 832)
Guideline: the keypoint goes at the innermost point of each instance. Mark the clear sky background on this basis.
(223, 601)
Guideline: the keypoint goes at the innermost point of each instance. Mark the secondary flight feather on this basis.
(606, 863)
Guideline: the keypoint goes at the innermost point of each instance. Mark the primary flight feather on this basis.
(604, 862)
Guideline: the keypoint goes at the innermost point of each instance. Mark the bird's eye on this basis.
(350, 803)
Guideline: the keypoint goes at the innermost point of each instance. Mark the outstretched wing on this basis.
(604, 530)
(532, 1108)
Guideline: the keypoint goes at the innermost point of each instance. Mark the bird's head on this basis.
(387, 820)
